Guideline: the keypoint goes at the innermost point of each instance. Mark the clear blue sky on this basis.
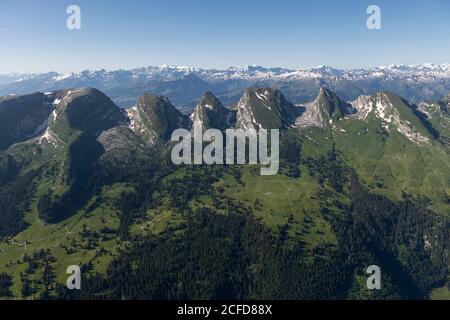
(220, 33)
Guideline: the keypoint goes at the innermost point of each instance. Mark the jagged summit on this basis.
(211, 112)
(209, 99)
(333, 105)
(389, 111)
(324, 109)
(264, 108)
(153, 118)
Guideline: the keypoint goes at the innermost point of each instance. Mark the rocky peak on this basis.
(154, 118)
(324, 109)
(212, 113)
(264, 108)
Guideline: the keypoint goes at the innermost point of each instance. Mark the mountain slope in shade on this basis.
(265, 108)
(154, 118)
(83, 110)
(22, 117)
(212, 114)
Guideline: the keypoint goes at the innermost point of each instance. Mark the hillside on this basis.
(361, 182)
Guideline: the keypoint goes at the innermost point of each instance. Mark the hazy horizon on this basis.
(228, 67)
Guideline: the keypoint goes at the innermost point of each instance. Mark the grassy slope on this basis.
(390, 164)
(40, 236)
(285, 200)
(442, 293)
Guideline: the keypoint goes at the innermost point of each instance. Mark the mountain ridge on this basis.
(154, 117)
(212, 114)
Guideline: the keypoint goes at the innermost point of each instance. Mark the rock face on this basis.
(265, 108)
(212, 114)
(120, 137)
(334, 106)
(363, 106)
(154, 118)
(324, 109)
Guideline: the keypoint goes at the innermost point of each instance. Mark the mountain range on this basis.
(154, 117)
(362, 181)
(185, 85)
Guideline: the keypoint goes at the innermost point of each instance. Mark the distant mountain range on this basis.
(185, 85)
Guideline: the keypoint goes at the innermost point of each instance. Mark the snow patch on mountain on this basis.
(427, 108)
(54, 115)
(385, 111)
(363, 106)
(136, 125)
(50, 137)
(245, 118)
